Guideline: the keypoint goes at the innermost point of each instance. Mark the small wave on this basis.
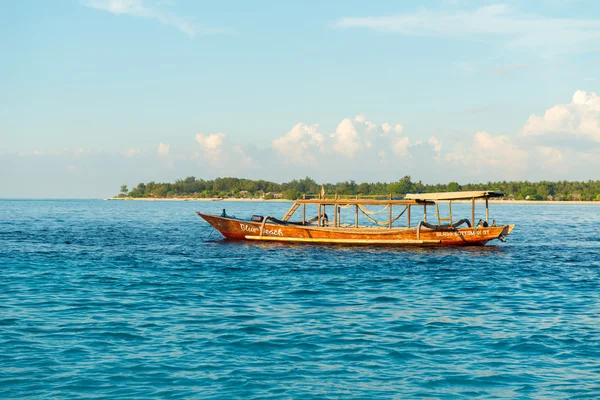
(304, 292)
(384, 299)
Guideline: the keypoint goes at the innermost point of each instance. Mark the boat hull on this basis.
(250, 230)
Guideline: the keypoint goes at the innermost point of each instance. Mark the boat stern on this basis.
(508, 229)
(505, 232)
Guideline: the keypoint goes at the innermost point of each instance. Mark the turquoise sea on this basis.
(137, 300)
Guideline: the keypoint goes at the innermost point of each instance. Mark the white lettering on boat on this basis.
(249, 228)
(267, 232)
(465, 233)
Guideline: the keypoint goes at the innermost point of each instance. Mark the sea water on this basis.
(126, 299)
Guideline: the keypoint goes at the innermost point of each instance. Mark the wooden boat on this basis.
(349, 230)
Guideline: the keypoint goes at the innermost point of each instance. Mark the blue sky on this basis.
(99, 93)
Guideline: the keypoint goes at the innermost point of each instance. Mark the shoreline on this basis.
(586, 202)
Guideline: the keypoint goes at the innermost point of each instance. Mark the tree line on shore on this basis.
(191, 187)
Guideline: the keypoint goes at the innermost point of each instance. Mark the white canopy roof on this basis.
(454, 195)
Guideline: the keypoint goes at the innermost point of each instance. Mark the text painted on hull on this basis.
(465, 233)
(267, 232)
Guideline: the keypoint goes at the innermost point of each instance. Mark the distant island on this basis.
(236, 188)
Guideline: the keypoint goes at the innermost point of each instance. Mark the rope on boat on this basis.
(385, 223)
(368, 212)
(210, 233)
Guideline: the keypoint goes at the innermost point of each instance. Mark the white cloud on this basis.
(220, 154)
(213, 147)
(243, 159)
(517, 29)
(400, 146)
(210, 142)
(345, 139)
(138, 8)
(497, 151)
(358, 147)
(437, 145)
(489, 156)
(132, 152)
(70, 153)
(300, 145)
(550, 155)
(360, 135)
(164, 149)
(580, 118)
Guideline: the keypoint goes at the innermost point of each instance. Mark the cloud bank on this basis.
(561, 143)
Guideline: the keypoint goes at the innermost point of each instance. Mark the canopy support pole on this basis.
(319, 216)
(356, 216)
(304, 209)
(304, 214)
(487, 211)
(473, 211)
(390, 215)
(335, 216)
(425, 212)
(408, 215)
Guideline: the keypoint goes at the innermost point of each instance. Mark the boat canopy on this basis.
(483, 194)
(373, 202)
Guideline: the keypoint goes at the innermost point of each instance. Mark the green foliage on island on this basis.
(191, 187)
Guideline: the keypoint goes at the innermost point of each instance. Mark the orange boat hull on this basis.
(250, 230)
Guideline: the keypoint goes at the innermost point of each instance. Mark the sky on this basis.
(99, 93)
